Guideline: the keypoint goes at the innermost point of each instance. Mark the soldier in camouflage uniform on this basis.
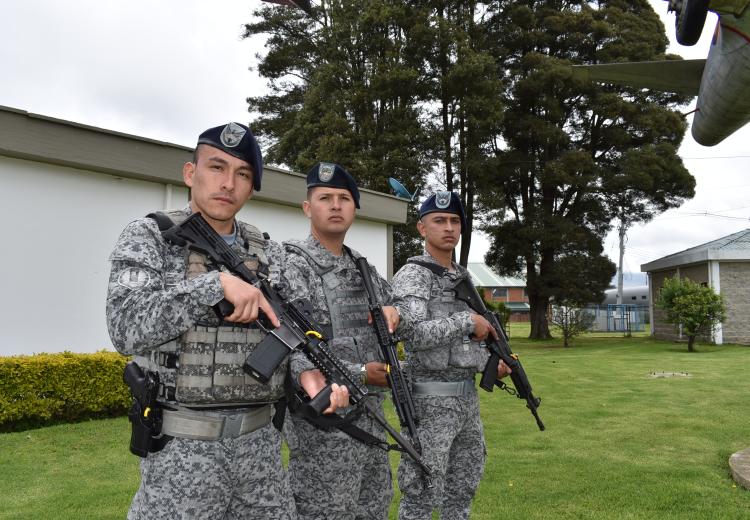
(442, 340)
(322, 269)
(223, 459)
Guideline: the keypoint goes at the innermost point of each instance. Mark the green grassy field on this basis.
(618, 444)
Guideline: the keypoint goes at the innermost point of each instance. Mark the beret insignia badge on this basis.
(232, 135)
(443, 199)
(325, 171)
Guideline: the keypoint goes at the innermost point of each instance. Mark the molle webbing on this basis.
(205, 362)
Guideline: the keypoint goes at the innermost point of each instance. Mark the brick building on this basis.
(724, 265)
(511, 291)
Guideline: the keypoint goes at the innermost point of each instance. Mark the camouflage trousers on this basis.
(239, 478)
(335, 477)
(452, 438)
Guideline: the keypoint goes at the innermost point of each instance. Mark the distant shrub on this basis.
(50, 388)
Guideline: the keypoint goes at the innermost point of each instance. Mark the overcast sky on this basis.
(168, 69)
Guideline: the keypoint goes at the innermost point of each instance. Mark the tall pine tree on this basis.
(346, 89)
(569, 150)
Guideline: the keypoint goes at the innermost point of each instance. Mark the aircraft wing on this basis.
(681, 76)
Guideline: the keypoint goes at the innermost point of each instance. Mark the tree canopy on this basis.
(573, 155)
(478, 97)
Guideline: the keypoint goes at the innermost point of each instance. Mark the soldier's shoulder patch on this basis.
(134, 277)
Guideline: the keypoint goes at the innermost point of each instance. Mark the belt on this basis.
(213, 426)
(446, 389)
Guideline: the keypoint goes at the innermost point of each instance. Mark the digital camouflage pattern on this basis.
(332, 475)
(157, 305)
(435, 332)
(231, 479)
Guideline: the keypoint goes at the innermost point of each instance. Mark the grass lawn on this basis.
(618, 444)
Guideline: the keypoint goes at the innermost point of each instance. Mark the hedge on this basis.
(50, 388)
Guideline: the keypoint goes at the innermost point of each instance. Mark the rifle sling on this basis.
(439, 270)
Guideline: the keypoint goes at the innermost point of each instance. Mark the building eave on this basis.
(39, 138)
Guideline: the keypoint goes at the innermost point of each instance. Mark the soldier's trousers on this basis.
(452, 438)
(335, 477)
(239, 478)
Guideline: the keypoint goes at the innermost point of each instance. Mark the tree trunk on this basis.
(691, 340)
(538, 316)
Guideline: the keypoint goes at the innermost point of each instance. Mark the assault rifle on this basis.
(400, 391)
(499, 349)
(296, 332)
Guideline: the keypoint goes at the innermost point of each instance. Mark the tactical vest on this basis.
(353, 339)
(462, 353)
(203, 367)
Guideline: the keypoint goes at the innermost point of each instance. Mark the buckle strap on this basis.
(212, 426)
(445, 389)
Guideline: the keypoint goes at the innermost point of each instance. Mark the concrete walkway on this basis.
(739, 464)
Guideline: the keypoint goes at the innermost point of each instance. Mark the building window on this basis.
(633, 297)
(499, 292)
(644, 297)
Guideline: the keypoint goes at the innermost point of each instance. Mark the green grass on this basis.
(618, 443)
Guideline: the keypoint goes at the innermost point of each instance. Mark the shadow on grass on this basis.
(38, 423)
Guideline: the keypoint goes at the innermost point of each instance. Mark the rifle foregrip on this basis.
(321, 401)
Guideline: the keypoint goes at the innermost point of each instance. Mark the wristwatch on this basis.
(363, 373)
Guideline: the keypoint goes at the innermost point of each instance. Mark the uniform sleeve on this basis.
(297, 277)
(411, 288)
(384, 288)
(144, 310)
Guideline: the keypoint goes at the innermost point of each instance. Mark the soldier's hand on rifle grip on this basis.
(247, 301)
(482, 328)
(392, 318)
(503, 370)
(376, 373)
(313, 381)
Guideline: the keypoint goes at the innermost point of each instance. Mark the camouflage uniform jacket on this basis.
(436, 325)
(353, 339)
(154, 304)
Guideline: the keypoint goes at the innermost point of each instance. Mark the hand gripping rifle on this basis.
(499, 349)
(296, 331)
(400, 391)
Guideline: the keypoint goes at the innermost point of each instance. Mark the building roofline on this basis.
(718, 249)
(35, 137)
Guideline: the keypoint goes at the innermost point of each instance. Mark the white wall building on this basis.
(67, 190)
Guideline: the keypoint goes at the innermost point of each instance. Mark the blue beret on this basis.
(237, 140)
(444, 202)
(333, 176)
